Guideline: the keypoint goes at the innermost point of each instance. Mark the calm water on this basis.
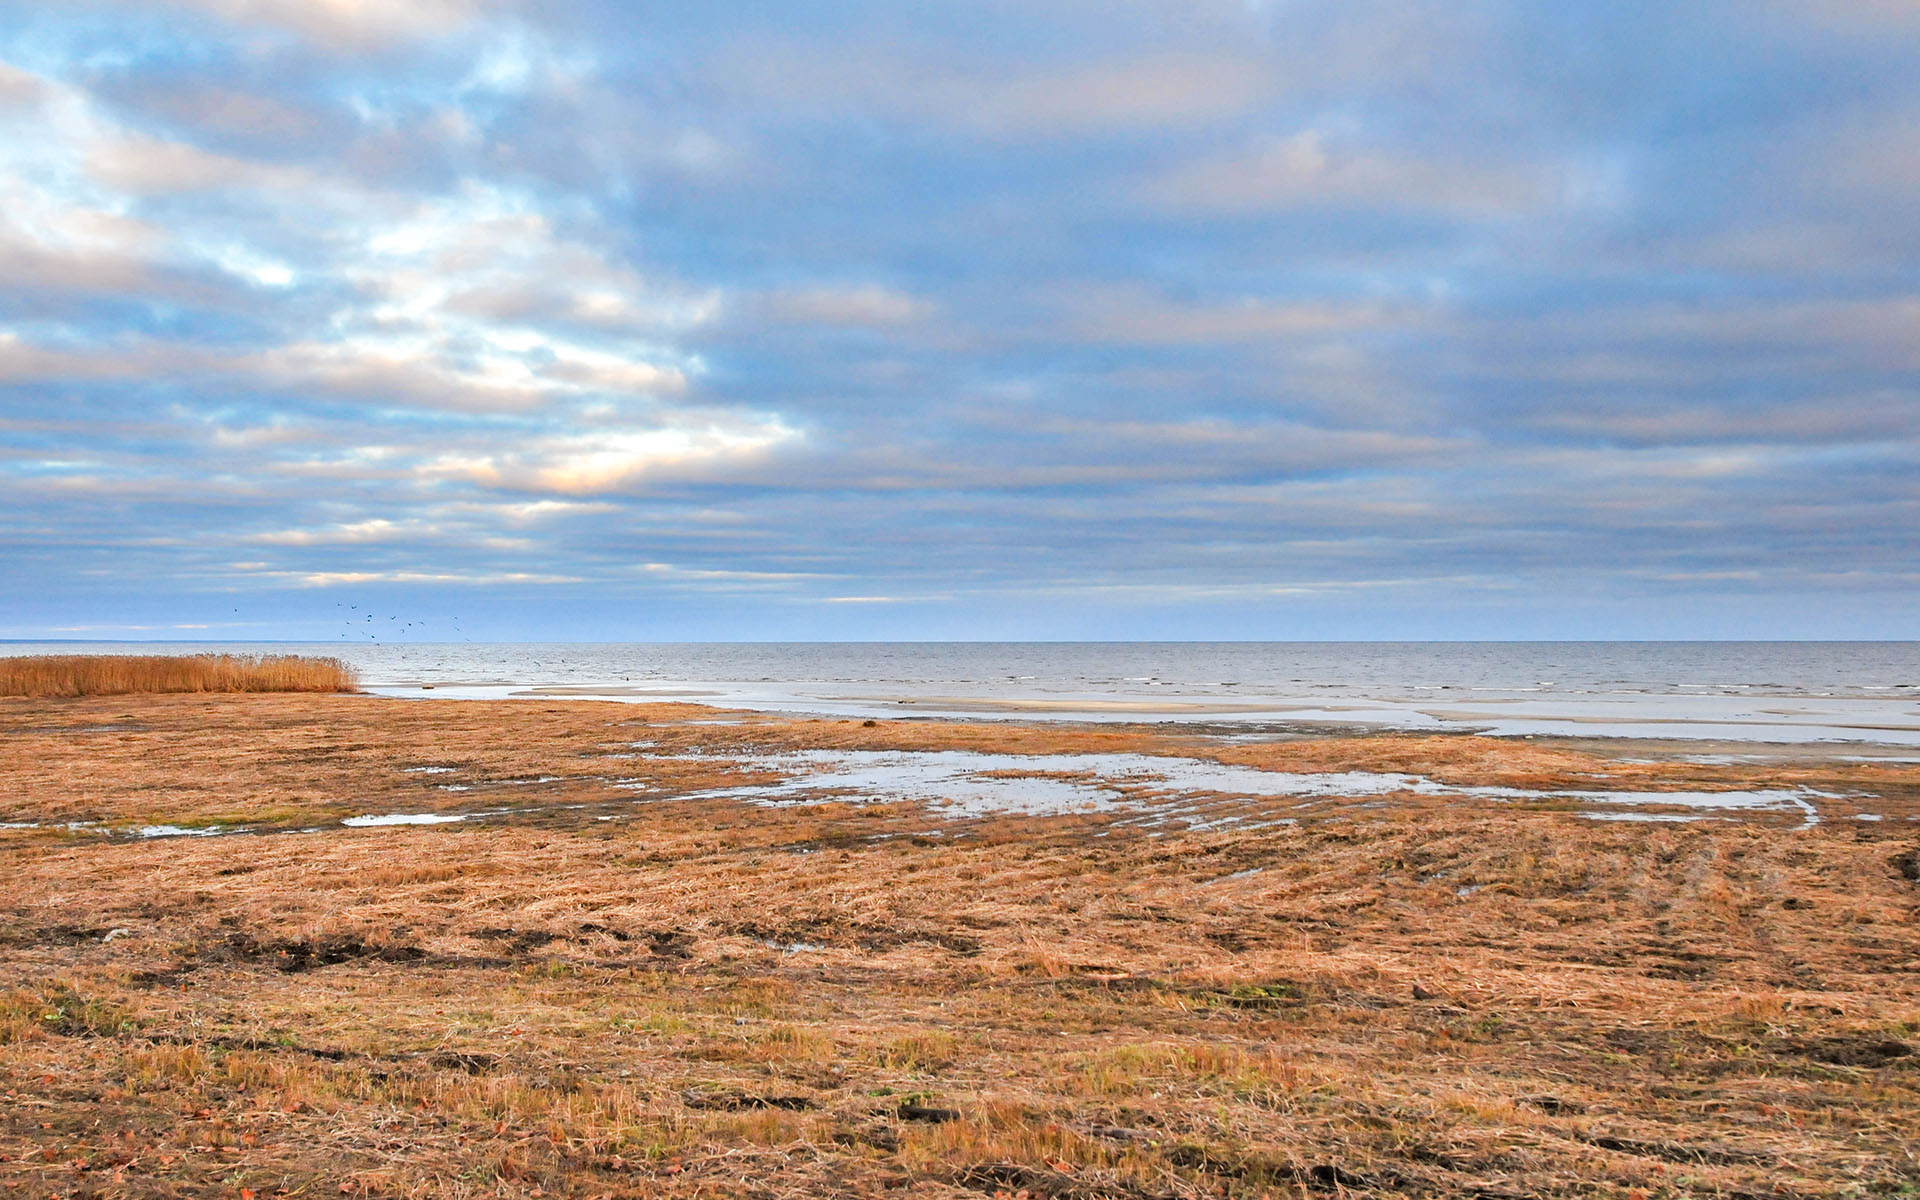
(1746, 691)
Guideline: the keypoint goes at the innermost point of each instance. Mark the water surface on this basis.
(1782, 692)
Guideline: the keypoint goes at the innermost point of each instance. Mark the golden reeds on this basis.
(700, 998)
(123, 674)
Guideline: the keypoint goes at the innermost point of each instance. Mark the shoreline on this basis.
(1883, 723)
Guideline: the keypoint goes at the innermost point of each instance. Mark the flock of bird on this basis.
(358, 623)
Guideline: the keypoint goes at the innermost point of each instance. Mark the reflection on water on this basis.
(971, 783)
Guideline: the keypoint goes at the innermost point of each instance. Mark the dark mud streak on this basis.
(468, 1062)
(912, 1111)
(743, 1102)
(301, 954)
(1705, 1153)
(1859, 1052)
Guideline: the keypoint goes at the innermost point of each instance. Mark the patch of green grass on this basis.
(64, 1012)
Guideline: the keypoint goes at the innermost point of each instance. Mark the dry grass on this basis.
(72, 675)
(710, 999)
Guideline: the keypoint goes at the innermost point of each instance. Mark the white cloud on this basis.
(72, 188)
(581, 464)
(725, 576)
(478, 300)
(353, 533)
(342, 578)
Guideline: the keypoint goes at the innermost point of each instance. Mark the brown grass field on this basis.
(119, 675)
(1408, 996)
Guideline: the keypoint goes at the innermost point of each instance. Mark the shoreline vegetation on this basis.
(74, 675)
(609, 981)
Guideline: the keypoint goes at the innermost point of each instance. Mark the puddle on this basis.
(792, 947)
(1140, 789)
(504, 783)
(165, 831)
(1231, 822)
(1246, 874)
(962, 782)
(974, 783)
(136, 831)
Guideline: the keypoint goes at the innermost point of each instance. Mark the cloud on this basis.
(1159, 91)
(1134, 316)
(112, 265)
(155, 166)
(250, 115)
(1218, 306)
(1885, 417)
(19, 89)
(1874, 159)
(373, 529)
(443, 301)
(22, 361)
(868, 305)
(463, 579)
(1791, 344)
(350, 24)
(1874, 17)
(615, 460)
(1310, 169)
(1166, 91)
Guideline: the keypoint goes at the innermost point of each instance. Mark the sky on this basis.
(1165, 319)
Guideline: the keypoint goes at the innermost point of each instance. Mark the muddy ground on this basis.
(608, 987)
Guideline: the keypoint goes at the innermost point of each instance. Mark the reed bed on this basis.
(126, 674)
